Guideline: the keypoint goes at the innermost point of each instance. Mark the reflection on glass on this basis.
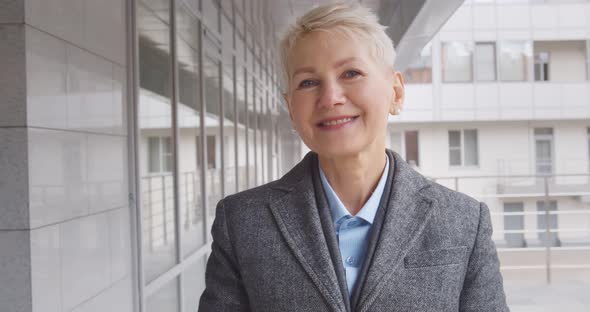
(456, 61)
(213, 131)
(155, 143)
(229, 142)
(485, 61)
(242, 152)
(193, 284)
(189, 123)
(259, 137)
(514, 59)
(210, 13)
(165, 299)
(420, 70)
(251, 136)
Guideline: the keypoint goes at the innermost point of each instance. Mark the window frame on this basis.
(462, 147)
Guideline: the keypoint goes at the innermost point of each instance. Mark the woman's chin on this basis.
(337, 149)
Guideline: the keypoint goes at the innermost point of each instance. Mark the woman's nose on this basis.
(331, 94)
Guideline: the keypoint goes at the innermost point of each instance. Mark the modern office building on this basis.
(498, 107)
(122, 123)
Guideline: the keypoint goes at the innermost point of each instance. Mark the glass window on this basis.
(193, 284)
(420, 70)
(455, 148)
(211, 70)
(155, 145)
(251, 136)
(514, 221)
(411, 142)
(463, 148)
(541, 66)
(514, 60)
(259, 111)
(471, 156)
(544, 222)
(485, 61)
(160, 154)
(456, 61)
(396, 142)
(229, 142)
(543, 151)
(165, 299)
(189, 123)
(211, 14)
(242, 147)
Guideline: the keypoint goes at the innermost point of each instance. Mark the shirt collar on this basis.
(368, 210)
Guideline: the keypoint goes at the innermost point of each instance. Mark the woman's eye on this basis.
(351, 74)
(307, 84)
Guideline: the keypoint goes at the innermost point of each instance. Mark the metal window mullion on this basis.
(203, 147)
(133, 159)
(235, 104)
(174, 142)
(247, 126)
(221, 123)
(254, 104)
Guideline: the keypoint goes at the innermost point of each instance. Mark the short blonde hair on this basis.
(350, 19)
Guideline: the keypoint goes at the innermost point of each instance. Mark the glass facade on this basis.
(208, 125)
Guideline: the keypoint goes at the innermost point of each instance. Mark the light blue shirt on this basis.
(352, 232)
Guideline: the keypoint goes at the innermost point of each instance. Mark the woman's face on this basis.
(339, 95)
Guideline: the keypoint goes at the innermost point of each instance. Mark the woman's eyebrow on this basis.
(346, 61)
(309, 69)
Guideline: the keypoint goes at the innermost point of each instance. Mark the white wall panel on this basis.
(418, 97)
(513, 16)
(460, 20)
(61, 18)
(58, 179)
(484, 17)
(107, 172)
(457, 95)
(544, 16)
(46, 80)
(572, 15)
(46, 269)
(516, 100)
(85, 258)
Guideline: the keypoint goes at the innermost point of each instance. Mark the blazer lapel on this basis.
(408, 211)
(298, 220)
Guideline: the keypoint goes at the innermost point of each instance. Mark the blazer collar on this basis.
(295, 210)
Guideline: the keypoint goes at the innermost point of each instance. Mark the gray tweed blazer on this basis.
(430, 249)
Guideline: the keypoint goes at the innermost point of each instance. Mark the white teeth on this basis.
(336, 122)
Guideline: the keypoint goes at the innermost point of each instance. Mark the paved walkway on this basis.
(563, 296)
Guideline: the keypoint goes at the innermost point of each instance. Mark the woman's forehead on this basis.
(327, 49)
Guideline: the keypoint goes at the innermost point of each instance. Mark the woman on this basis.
(352, 227)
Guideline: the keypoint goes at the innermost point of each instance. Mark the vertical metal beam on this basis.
(203, 147)
(175, 149)
(132, 78)
(547, 232)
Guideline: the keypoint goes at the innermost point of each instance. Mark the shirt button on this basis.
(351, 260)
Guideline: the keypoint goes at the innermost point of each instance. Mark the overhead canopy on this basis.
(411, 23)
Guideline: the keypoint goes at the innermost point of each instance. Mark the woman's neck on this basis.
(354, 178)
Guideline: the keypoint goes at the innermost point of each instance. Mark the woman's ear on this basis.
(397, 101)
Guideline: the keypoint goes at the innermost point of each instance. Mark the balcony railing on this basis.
(560, 239)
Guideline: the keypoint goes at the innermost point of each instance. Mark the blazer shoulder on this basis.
(253, 197)
(455, 204)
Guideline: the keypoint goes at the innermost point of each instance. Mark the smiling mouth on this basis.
(336, 122)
